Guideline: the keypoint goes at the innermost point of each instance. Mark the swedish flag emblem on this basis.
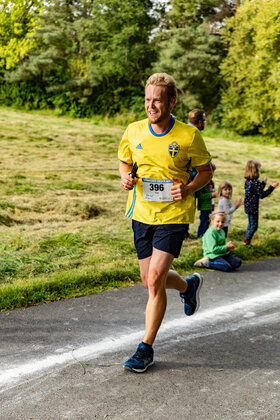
(173, 149)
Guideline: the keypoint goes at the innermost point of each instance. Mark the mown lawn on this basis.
(62, 225)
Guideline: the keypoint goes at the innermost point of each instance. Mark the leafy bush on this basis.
(251, 97)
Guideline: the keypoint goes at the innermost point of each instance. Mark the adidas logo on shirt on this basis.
(139, 146)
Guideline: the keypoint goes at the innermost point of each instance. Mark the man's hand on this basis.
(179, 191)
(127, 183)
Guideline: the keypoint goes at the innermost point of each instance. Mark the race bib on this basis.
(157, 189)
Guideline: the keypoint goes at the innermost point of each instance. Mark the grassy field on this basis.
(62, 225)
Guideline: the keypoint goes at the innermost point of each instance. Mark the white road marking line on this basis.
(240, 379)
(226, 312)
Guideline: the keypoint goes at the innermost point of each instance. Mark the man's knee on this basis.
(152, 280)
(144, 279)
(155, 282)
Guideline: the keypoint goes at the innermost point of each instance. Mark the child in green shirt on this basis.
(216, 250)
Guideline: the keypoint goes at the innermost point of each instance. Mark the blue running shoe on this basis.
(191, 297)
(141, 360)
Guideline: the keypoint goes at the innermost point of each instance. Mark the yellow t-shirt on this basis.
(160, 157)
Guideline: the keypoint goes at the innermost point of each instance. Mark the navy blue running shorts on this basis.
(168, 238)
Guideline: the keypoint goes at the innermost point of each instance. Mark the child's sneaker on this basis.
(141, 360)
(201, 262)
(191, 297)
(246, 242)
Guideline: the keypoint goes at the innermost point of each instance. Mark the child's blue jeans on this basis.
(204, 222)
(225, 263)
(253, 222)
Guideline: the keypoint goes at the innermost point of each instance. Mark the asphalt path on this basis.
(63, 360)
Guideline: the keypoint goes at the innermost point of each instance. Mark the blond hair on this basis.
(252, 169)
(223, 185)
(163, 79)
(218, 213)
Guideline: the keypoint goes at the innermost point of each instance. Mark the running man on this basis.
(161, 203)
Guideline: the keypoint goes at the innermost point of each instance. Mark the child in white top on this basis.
(224, 204)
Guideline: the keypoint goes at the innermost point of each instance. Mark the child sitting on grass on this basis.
(216, 250)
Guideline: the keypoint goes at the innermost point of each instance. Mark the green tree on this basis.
(251, 71)
(92, 56)
(122, 54)
(17, 24)
(59, 55)
(191, 49)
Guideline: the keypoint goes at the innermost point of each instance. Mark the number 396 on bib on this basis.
(157, 189)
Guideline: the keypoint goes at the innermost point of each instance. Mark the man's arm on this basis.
(127, 183)
(179, 191)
